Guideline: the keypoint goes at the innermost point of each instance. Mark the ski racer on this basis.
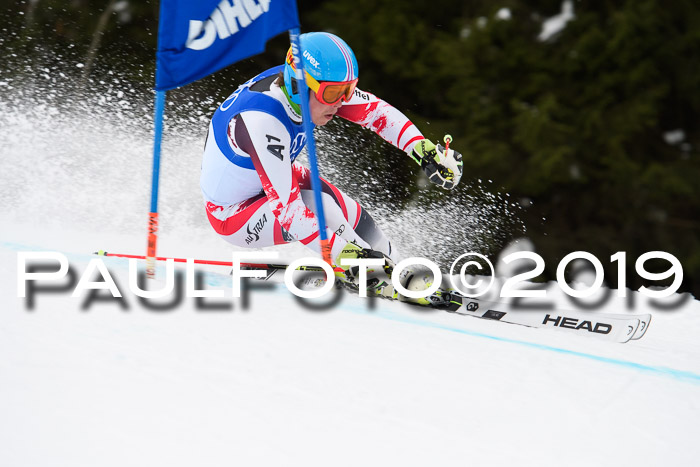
(256, 195)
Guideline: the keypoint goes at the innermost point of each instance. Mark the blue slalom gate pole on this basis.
(310, 143)
(153, 215)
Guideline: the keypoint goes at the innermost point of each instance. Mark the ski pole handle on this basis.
(448, 140)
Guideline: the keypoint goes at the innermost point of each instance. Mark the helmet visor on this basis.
(330, 93)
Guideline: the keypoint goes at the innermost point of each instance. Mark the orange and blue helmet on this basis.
(330, 67)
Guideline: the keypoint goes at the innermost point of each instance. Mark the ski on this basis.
(612, 327)
(644, 321)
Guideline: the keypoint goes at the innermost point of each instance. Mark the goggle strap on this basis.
(295, 86)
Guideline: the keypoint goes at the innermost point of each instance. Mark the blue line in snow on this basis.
(659, 370)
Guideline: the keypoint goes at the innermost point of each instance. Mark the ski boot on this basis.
(377, 277)
(417, 279)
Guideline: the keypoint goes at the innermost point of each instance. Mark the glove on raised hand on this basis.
(443, 167)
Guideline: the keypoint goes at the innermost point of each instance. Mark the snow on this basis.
(558, 22)
(276, 382)
(674, 137)
(503, 13)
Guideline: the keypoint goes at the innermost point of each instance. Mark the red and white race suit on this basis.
(257, 196)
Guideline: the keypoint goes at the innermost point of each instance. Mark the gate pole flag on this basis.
(197, 38)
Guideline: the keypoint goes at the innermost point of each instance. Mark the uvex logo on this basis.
(311, 58)
(224, 22)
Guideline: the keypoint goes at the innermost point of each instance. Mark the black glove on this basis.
(443, 167)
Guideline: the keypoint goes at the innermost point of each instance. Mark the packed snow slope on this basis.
(275, 382)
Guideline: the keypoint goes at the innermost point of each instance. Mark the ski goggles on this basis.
(330, 92)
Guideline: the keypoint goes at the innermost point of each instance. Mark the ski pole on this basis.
(210, 262)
